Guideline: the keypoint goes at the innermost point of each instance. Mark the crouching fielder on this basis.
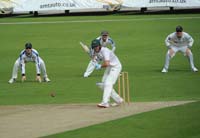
(113, 69)
(29, 55)
(179, 41)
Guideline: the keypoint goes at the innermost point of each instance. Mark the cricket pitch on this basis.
(40, 120)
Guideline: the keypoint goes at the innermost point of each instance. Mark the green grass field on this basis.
(174, 122)
(140, 47)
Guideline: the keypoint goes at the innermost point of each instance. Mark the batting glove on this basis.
(98, 66)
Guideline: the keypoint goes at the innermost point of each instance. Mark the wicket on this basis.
(123, 87)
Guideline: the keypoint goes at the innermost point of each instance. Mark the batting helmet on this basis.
(95, 43)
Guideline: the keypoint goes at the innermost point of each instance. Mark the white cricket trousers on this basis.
(90, 68)
(17, 66)
(177, 49)
(109, 79)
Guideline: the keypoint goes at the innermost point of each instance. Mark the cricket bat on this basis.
(85, 48)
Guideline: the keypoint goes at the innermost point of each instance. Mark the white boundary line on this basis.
(97, 21)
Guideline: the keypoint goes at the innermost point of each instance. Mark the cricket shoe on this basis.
(11, 80)
(164, 70)
(117, 103)
(103, 105)
(46, 79)
(85, 75)
(194, 69)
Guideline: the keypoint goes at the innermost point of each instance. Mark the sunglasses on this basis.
(28, 48)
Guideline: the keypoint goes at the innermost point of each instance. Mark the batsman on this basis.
(113, 68)
(105, 40)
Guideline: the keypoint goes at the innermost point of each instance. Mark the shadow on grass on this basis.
(28, 81)
(174, 70)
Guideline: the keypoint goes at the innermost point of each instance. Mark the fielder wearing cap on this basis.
(29, 55)
(113, 68)
(104, 33)
(179, 41)
(105, 41)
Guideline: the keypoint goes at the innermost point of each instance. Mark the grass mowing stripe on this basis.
(174, 122)
(97, 21)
